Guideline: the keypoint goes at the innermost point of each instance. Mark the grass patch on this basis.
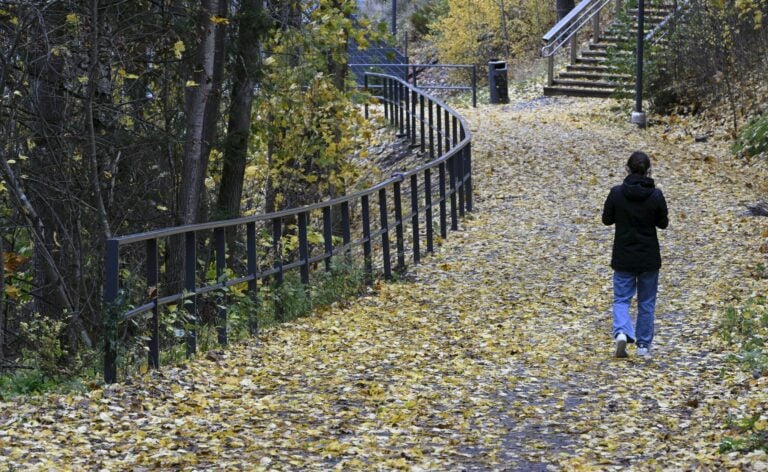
(745, 328)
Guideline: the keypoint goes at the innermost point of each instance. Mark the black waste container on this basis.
(497, 81)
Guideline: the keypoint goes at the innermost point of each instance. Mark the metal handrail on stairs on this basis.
(657, 33)
(566, 29)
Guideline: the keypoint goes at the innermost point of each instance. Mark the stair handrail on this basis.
(571, 24)
(653, 35)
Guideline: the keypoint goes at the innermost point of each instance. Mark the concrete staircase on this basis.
(595, 71)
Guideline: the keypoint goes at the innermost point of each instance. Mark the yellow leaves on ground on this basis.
(495, 356)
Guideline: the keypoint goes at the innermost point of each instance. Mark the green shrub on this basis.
(753, 138)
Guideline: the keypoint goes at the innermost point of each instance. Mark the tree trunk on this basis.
(244, 70)
(563, 8)
(203, 105)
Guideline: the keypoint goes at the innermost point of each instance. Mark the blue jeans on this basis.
(625, 284)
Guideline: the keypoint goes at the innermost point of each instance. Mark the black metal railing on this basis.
(407, 204)
(410, 72)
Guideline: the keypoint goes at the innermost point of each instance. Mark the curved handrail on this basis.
(403, 105)
(571, 24)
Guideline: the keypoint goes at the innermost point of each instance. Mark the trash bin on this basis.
(497, 81)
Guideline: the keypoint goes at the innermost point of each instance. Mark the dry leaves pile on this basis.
(498, 355)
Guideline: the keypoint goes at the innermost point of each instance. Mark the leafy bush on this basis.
(753, 138)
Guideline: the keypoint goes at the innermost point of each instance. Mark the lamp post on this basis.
(638, 116)
(394, 18)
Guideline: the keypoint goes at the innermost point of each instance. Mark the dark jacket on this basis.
(638, 208)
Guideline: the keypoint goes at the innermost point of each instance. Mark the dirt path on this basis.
(497, 356)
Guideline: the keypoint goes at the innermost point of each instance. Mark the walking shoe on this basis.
(621, 345)
(643, 351)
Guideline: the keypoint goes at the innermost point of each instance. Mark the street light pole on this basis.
(394, 18)
(638, 116)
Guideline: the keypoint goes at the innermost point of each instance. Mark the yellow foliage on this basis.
(473, 32)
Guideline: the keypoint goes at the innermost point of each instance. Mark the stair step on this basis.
(596, 76)
(594, 53)
(591, 60)
(580, 92)
(590, 68)
(584, 84)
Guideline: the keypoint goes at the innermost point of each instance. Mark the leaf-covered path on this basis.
(497, 356)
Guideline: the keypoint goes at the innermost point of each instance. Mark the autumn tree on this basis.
(475, 32)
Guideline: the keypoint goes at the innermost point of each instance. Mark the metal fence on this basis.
(411, 71)
(408, 204)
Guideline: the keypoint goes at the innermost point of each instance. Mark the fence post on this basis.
(439, 132)
(111, 323)
(154, 324)
(431, 131)
(468, 170)
(443, 215)
(253, 288)
(221, 248)
(345, 227)
(277, 247)
(460, 174)
(422, 137)
(385, 256)
(304, 248)
(365, 87)
(408, 118)
(327, 238)
(454, 166)
(368, 263)
(474, 85)
(415, 218)
(428, 208)
(190, 260)
(399, 226)
(414, 100)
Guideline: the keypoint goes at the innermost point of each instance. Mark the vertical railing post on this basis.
(399, 227)
(346, 231)
(439, 132)
(304, 248)
(327, 238)
(253, 288)
(385, 98)
(154, 324)
(551, 70)
(111, 323)
(368, 263)
(401, 109)
(428, 209)
(447, 130)
(385, 256)
(596, 27)
(190, 263)
(408, 118)
(431, 131)
(574, 48)
(443, 213)
(460, 172)
(414, 100)
(474, 85)
(422, 137)
(365, 87)
(468, 170)
(221, 248)
(454, 166)
(277, 247)
(415, 218)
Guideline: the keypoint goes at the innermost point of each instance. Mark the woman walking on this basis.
(637, 208)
